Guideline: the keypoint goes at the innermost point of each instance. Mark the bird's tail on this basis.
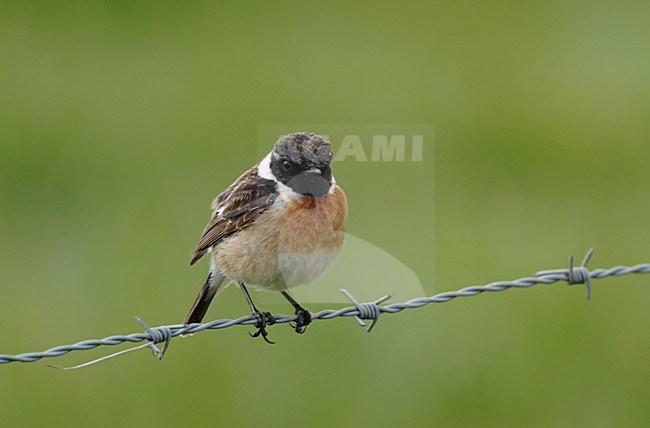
(213, 283)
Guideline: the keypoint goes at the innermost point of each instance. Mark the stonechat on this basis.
(279, 225)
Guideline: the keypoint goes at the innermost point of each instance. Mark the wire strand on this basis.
(360, 311)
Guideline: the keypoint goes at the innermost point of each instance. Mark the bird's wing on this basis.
(236, 208)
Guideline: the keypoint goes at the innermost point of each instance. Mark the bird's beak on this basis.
(315, 171)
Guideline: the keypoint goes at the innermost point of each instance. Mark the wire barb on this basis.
(574, 274)
(157, 335)
(367, 311)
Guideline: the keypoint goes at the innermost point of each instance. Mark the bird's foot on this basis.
(304, 318)
(262, 320)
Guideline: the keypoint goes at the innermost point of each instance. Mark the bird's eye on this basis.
(286, 165)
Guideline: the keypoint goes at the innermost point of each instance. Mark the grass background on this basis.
(119, 121)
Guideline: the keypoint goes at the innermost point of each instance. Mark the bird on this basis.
(281, 224)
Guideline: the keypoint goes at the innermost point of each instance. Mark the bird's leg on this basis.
(304, 317)
(263, 318)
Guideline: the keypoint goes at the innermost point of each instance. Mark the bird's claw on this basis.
(262, 320)
(303, 320)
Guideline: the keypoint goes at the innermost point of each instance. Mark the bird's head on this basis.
(301, 161)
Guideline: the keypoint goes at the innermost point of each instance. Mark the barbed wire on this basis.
(360, 311)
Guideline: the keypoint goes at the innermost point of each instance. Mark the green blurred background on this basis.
(120, 121)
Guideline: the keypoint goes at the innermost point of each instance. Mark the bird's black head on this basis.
(302, 162)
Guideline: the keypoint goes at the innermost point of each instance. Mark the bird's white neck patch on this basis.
(333, 186)
(264, 168)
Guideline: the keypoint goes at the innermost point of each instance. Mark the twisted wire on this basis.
(360, 311)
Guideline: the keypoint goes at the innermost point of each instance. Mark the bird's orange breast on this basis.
(292, 243)
(315, 223)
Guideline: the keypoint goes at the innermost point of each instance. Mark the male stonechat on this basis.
(279, 225)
